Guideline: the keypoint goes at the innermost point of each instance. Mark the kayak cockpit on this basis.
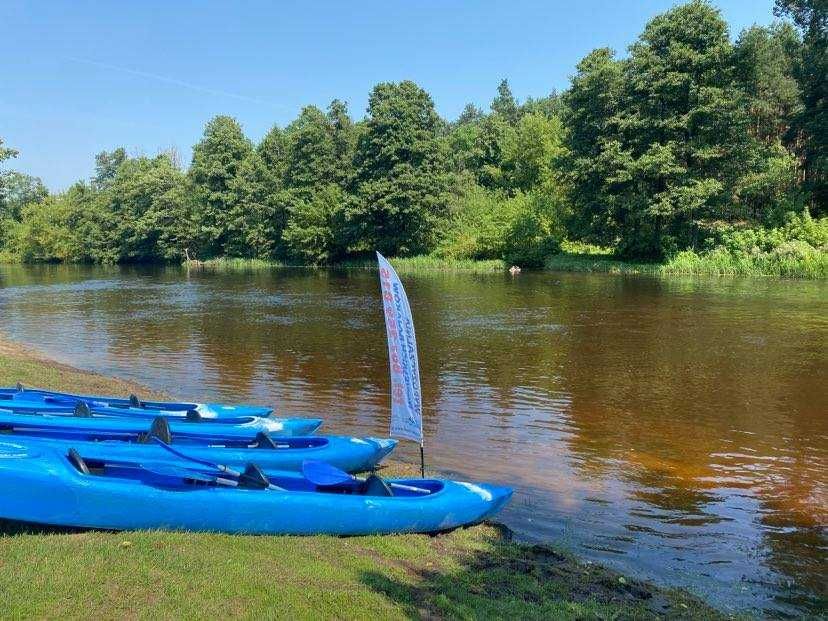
(177, 477)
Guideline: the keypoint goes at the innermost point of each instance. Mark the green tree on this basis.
(504, 103)
(549, 106)
(71, 227)
(479, 148)
(273, 152)
(811, 16)
(531, 151)
(270, 216)
(593, 146)
(146, 210)
(344, 135)
(19, 189)
(766, 60)
(470, 114)
(522, 229)
(5, 154)
(315, 226)
(255, 222)
(106, 167)
(312, 156)
(400, 175)
(216, 161)
(684, 130)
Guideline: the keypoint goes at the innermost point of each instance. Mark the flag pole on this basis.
(404, 366)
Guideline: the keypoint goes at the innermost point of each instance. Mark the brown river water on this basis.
(673, 429)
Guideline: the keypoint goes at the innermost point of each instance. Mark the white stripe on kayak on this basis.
(483, 493)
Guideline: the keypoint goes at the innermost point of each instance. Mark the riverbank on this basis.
(402, 264)
(805, 265)
(470, 573)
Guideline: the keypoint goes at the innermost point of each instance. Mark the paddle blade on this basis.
(168, 471)
(323, 474)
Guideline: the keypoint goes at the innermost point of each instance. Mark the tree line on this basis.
(690, 141)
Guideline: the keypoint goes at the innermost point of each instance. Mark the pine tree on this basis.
(504, 104)
(400, 172)
(811, 16)
(216, 161)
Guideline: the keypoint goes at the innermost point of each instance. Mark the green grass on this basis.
(232, 264)
(430, 263)
(578, 257)
(405, 264)
(720, 263)
(470, 573)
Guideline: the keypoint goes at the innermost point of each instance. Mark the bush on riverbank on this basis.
(798, 249)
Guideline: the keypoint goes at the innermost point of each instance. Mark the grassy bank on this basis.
(403, 264)
(470, 573)
(785, 261)
(689, 263)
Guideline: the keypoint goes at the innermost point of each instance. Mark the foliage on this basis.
(18, 190)
(490, 225)
(811, 16)
(505, 105)
(798, 249)
(765, 61)
(106, 167)
(401, 174)
(656, 155)
(315, 226)
(216, 162)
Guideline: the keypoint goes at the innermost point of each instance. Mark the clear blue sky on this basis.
(78, 77)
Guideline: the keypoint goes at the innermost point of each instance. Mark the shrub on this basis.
(522, 229)
(314, 231)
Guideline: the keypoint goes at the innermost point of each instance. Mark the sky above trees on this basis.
(78, 79)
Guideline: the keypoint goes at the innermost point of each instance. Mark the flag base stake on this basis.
(422, 462)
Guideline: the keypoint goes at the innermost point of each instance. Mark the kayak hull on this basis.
(346, 453)
(41, 486)
(28, 413)
(152, 408)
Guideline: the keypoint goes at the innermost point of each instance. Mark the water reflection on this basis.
(674, 428)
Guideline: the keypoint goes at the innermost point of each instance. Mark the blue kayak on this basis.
(133, 404)
(25, 416)
(270, 452)
(66, 488)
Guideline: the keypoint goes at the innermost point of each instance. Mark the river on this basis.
(675, 429)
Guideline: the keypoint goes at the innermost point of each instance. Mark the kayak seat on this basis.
(263, 440)
(135, 402)
(375, 486)
(82, 410)
(160, 429)
(253, 478)
(77, 461)
(192, 416)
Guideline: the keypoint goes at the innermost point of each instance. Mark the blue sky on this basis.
(78, 77)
